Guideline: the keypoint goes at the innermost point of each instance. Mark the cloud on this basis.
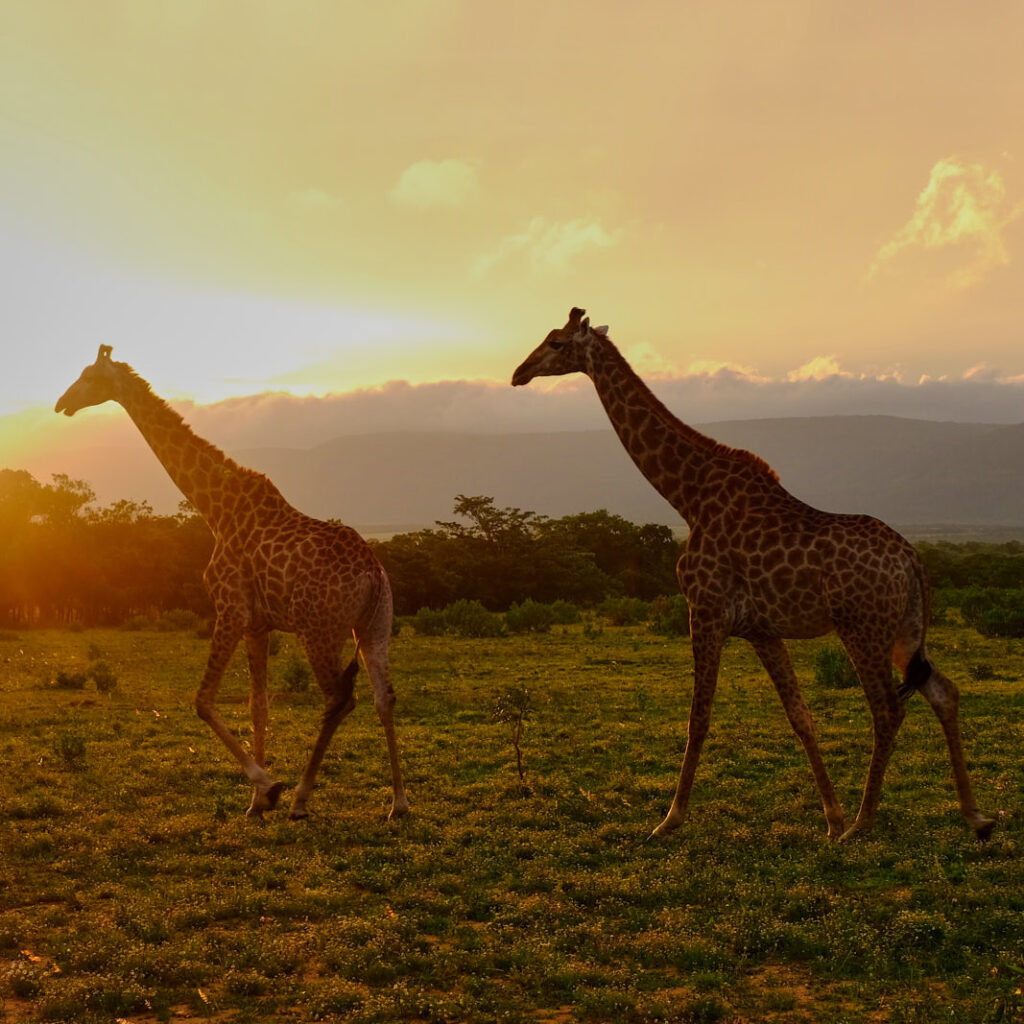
(548, 245)
(962, 208)
(819, 368)
(313, 200)
(428, 184)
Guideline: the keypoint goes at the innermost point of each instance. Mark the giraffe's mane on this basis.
(691, 434)
(143, 385)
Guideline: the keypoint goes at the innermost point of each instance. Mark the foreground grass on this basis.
(132, 887)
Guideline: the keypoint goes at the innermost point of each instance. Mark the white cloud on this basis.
(963, 208)
(428, 184)
(548, 245)
(819, 368)
(313, 200)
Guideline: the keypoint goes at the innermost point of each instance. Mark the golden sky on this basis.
(327, 195)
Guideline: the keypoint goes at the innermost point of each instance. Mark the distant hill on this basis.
(907, 472)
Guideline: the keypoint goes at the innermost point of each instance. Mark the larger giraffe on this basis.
(272, 568)
(762, 565)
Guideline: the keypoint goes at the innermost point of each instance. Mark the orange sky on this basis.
(329, 195)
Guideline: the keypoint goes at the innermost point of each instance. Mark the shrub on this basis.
(529, 617)
(511, 709)
(430, 622)
(670, 616)
(463, 618)
(472, 619)
(296, 675)
(624, 611)
(70, 748)
(70, 680)
(94, 652)
(103, 676)
(136, 623)
(178, 620)
(833, 670)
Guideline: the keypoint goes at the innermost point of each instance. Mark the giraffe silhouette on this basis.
(761, 565)
(272, 568)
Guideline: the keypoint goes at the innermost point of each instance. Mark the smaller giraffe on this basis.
(762, 565)
(272, 568)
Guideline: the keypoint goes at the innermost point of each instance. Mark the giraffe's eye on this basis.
(556, 345)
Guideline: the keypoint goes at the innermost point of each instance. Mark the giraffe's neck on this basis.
(219, 488)
(678, 461)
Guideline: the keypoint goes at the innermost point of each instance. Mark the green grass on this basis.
(132, 886)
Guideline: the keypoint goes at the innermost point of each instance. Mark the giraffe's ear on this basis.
(104, 353)
(602, 330)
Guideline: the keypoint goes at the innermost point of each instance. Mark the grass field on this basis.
(133, 888)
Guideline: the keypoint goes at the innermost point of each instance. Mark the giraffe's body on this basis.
(272, 568)
(762, 565)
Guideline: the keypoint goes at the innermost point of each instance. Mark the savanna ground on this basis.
(132, 887)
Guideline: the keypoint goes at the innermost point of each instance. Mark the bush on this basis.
(832, 669)
(471, 619)
(70, 680)
(670, 616)
(296, 675)
(529, 617)
(430, 622)
(178, 620)
(624, 611)
(463, 618)
(136, 623)
(103, 676)
(70, 748)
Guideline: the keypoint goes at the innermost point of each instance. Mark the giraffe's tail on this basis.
(919, 669)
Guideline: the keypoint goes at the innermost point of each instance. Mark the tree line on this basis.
(64, 560)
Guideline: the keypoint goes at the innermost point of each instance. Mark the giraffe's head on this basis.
(564, 350)
(96, 384)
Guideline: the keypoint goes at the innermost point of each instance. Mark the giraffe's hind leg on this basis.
(775, 658)
(921, 674)
(338, 685)
(871, 659)
(375, 656)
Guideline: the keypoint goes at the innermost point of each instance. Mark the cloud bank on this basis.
(428, 184)
(276, 419)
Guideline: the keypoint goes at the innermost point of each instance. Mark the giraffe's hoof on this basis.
(983, 829)
(398, 810)
(298, 814)
(264, 799)
(664, 830)
(853, 832)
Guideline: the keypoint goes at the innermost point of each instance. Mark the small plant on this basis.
(103, 676)
(670, 616)
(70, 680)
(833, 670)
(511, 709)
(70, 748)
(179, 620)
(529, 617)
(624, 611)
(94, 653)
(297, 675)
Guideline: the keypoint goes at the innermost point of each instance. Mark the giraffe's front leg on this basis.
(707, 653)
(264, 796)
(225, 639)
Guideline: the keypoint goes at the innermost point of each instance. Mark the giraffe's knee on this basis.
(384, 703)
(204, 709)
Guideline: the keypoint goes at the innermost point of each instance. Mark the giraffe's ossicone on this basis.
(272, 568)
(762, 565)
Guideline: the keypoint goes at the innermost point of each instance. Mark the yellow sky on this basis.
(320, 196)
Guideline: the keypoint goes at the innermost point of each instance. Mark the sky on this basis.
(780, 208)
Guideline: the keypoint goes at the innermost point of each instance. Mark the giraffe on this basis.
(761, 565)
(272, 568)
